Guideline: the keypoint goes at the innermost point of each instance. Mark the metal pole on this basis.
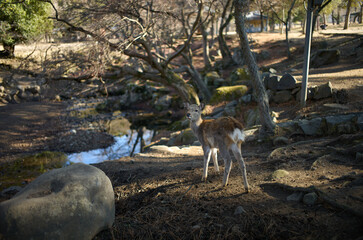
(304, 87)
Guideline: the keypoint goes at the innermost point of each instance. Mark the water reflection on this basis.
(122, 147)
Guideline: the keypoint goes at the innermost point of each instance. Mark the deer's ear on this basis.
(186, 105)
(201, 106)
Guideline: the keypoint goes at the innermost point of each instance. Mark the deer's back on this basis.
(214, 131)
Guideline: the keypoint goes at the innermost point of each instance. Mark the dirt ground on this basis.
(159, 195)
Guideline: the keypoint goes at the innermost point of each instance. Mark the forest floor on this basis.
(159, 195)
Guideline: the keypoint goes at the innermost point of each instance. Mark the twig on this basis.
(190, 187)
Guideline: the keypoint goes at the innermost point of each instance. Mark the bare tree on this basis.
(225, 21)
(138, 30)
(286, 23)
(268, 125)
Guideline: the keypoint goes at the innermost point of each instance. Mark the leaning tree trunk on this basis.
(347, 15)
(268, 126)
(185, 90)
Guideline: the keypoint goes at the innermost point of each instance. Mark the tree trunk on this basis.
(185, 90)
(361, 13)
(332, 17)
(206, 58)
(261, 17)
(226, 53)
(268, 125)
(347, 15)
(8, 51)
(287, 41)
(338, 17)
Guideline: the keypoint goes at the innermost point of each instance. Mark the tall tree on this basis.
(22, 21)
(268, 125)
(347, 14)
(286, 22)
(226, 17)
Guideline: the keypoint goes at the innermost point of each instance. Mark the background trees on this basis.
(22, 21)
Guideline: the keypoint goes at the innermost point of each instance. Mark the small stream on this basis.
(122, 147)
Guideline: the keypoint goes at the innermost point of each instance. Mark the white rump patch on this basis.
(238, 135)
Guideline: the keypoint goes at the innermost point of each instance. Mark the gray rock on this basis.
(310, 198)
(230, 108)
(272, 70)
(323, 91)
(311, 127)
(325, 56)
(280, 141)
(295, 197)
(339, 123)
(272, 82)
(246, 98)
(336, 106)
(282, 96)
(75, 202)
(239, 210)
(160, 149)
(286, 82)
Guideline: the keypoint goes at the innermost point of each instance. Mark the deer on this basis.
(224, 134)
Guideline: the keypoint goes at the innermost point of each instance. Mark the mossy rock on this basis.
(213, 79)
(240, 74)
(228, 93)
(83, 113)
(279, 174)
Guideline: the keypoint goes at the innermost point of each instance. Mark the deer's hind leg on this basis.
(215, 159)
(236, 149)
(227, 163)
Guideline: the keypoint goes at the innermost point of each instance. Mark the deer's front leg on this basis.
(207, 155)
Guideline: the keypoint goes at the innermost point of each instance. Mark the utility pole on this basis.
(312, 4)
(308, 32)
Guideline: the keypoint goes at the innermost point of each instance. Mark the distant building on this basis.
(253, 22)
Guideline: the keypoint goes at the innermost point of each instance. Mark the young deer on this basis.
(225, 133)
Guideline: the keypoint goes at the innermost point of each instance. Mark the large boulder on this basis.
(75, 202)
(287, 82)
(324, 57)
(323, 91)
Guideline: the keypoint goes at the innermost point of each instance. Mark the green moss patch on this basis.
(29, 167)
(229, 93)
